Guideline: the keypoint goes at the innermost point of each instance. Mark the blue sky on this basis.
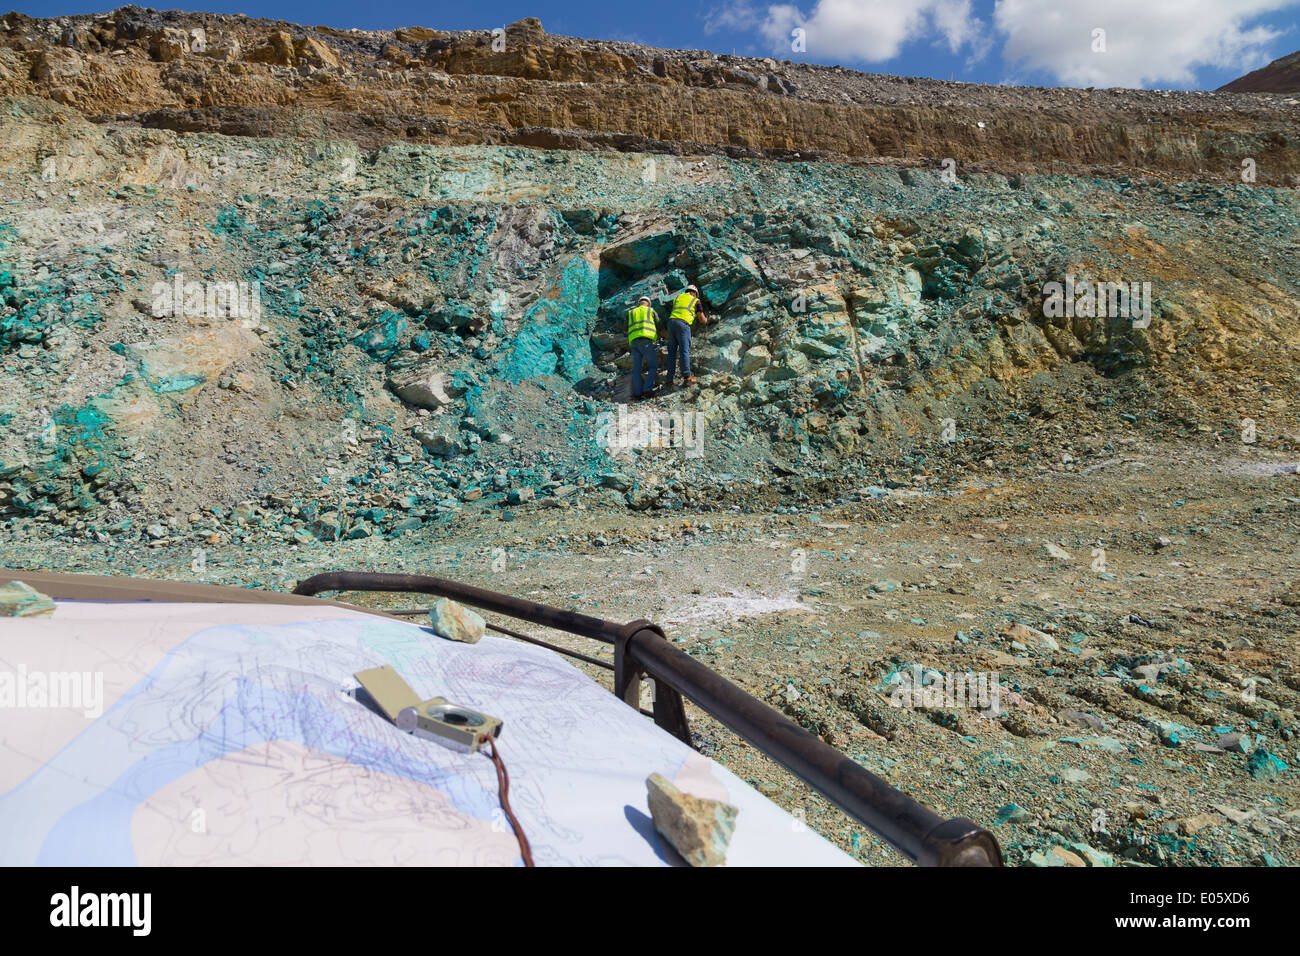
(1165, 44)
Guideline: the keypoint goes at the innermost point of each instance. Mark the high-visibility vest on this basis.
(684, 308)
(641, 324)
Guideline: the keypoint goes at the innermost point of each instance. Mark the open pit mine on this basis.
(994, 381)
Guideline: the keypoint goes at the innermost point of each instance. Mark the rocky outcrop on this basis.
(367, 341)
(522, 86)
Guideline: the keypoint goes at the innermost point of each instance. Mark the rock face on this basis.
(698, 829)
(387, 309)
(201, 72)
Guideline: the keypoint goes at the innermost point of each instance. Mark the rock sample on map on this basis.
(456, 622)
(21, 600)
(698, 829)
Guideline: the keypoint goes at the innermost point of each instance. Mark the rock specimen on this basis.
(698, 829)
(21, 600)
(456, 622)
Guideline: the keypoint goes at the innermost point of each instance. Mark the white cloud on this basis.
(1147, 42)
(858, 31)
(732, 15)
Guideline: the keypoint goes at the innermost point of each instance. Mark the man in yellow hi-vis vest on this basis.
(686, 309)
(642, 339)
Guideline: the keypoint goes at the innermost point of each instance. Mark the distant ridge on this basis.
(1280, 76)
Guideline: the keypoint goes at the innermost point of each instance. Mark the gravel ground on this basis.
(1148, 681)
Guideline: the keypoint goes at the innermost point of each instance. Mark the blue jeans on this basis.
(679, 343)
(645, 353)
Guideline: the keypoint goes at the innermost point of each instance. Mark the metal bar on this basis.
(912, 828)
(422, 611)
(552, 647)
(669, 711)
(581, 624)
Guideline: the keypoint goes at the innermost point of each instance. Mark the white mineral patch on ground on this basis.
(737, 604)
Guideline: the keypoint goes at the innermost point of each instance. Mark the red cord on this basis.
(503, 782)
